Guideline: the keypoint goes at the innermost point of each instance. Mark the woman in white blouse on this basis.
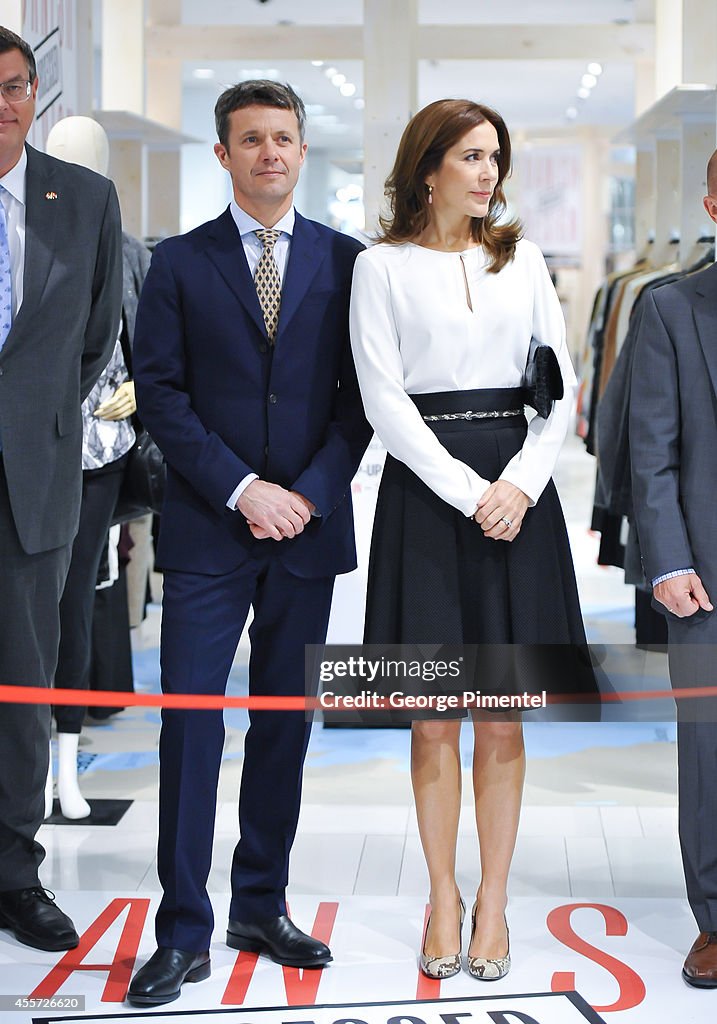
(469, 543)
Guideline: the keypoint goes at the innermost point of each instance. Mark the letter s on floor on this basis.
(632, 987)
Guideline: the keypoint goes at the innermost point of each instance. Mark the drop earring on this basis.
(430, 194)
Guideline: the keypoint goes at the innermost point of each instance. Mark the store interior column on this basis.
(390, 90)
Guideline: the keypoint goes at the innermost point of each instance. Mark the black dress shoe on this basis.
(161, 978)
(281, 940)
(35, 919)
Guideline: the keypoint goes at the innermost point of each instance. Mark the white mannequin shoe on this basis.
(72, 804)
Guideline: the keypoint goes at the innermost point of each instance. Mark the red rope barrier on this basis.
(204, 702)
(114, 699)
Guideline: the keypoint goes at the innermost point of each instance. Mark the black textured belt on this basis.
(492, 414)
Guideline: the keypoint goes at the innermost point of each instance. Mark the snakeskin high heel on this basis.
(484, 968)
(443, 966)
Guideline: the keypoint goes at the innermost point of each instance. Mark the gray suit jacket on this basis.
(673, 429)
(59, 343)
(136, 259)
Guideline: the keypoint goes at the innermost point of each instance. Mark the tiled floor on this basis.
(599, 819)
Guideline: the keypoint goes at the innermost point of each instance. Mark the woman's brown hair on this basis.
(424, 143)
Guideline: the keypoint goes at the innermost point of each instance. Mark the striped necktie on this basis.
(5, 274)
(268, 281)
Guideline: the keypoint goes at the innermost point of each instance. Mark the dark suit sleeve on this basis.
(163, 399)
(104, 319)
(329, 474)
(655, 447)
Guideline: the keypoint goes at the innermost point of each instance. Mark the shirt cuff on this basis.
(672, 575)
(238, 491)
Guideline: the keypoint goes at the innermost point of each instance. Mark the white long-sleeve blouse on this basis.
(413, 332)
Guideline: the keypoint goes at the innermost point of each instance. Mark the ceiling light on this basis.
(203, 73)
(317, 63)
(583, 93)
(349, 193)
(571, 113)
(338, 79)
(347, 89)
(330, 72)
(594, 68)
(359, 103)
(588, 81)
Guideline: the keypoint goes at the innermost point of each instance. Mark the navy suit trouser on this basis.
(202, 621)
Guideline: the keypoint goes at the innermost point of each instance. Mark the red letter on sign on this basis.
(427, 988)
(632, 988)
(119, 971)
(301, 986)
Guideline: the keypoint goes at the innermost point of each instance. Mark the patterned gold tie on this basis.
(268, 281)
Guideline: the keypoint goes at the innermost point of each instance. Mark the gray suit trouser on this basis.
(30, 591)
(693, 662)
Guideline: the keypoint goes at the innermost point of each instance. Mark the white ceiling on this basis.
(431, 12)
(530, 95)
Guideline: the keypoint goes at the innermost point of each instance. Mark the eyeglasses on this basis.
(17, 91)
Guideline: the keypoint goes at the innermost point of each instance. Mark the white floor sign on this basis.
(623, 956)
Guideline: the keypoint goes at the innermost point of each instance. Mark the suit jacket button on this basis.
(266, 449)
(273, 399)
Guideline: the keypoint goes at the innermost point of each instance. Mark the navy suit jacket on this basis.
(221, 402)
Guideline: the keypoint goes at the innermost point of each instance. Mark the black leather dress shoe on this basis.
(281, 940)
(161, 978)
(35, 919)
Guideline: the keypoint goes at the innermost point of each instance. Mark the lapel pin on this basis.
(51, 195)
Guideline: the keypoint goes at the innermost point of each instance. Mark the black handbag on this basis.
(144, 481)
(542, 380)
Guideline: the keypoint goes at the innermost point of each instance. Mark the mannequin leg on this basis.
(72, 803)
(436, 779)
(498, 775)
(99, 495)
(49, 787)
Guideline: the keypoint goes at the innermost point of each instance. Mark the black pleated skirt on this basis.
(435, 578)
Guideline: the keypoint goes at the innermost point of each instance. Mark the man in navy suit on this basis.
(245, 380)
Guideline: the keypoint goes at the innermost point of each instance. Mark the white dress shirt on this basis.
(413, 332)
(247, 226)
(14, 201)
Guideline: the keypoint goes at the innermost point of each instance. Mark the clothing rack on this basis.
(673, 140)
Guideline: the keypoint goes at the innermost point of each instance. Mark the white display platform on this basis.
(623, 956)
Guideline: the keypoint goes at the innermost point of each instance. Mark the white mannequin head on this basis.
(80, 140)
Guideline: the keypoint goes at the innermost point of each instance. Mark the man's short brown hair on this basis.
(259, 92)
(9, 41)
